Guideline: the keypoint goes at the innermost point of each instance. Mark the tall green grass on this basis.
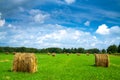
(62, 67)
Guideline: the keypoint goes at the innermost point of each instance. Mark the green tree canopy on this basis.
(81, 50)
(119, 48)
(103, 51)
(94, 50)
(112, 49)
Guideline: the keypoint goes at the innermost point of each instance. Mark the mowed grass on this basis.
(62, 67)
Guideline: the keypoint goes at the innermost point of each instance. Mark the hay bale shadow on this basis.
(9, 70)
(93, 65)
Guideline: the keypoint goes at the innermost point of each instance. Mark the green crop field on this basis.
(62, 67)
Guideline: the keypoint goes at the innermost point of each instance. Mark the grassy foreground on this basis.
(62, 67)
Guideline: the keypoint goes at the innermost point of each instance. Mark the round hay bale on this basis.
(64, 53)
(53, 54)
(48, 53)
(67, 54)
(7, 53)
(94, 53)
(87, 54)
(14, 53)
(78, 54)
(102, 60)
(25, 62)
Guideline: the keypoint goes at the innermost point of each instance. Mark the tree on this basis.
(54, 50)
(73, 50)
(1, 49)
(43, 51)
(103, 51)
(118, 49)
(112, 49)
(94, 50)
(80, 50)
(8, 49)
(22, 49)
(64, 50)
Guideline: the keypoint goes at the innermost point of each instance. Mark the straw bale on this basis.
(53, 54)
(68, 54)
(87, 54)
(102, 60)
(25, 62)
(78, 54)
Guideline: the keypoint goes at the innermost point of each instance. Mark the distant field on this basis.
(62, 67)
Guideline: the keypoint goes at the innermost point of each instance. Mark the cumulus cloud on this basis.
(2, 35)
(38, 15)
(55, 35)
(87, 23)
(115, 30)
(39, 18)
(11, 26)
(68, 38)
(21, 9)
(104, 30)
(69, 1)
(34, 11)
(2, 21)
(0, 14)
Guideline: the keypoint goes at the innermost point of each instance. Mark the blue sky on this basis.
(59, 23)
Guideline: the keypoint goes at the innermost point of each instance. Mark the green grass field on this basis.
(62, 67)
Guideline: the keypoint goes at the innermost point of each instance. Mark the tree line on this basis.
(111, 49)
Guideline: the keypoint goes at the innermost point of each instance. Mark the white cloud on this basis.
(68, 38)
(76, 35)
(11, 26)
(94, 37)
(21, 9)
(115, 30)
(2, 22)
(34, 11)
(0, 15)
(69, 1)
(87, 23)
(38, 15)
(2, 35)
(40, 18)
(103, 29)
(55, 35)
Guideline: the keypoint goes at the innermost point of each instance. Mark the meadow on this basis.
(62, 67)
